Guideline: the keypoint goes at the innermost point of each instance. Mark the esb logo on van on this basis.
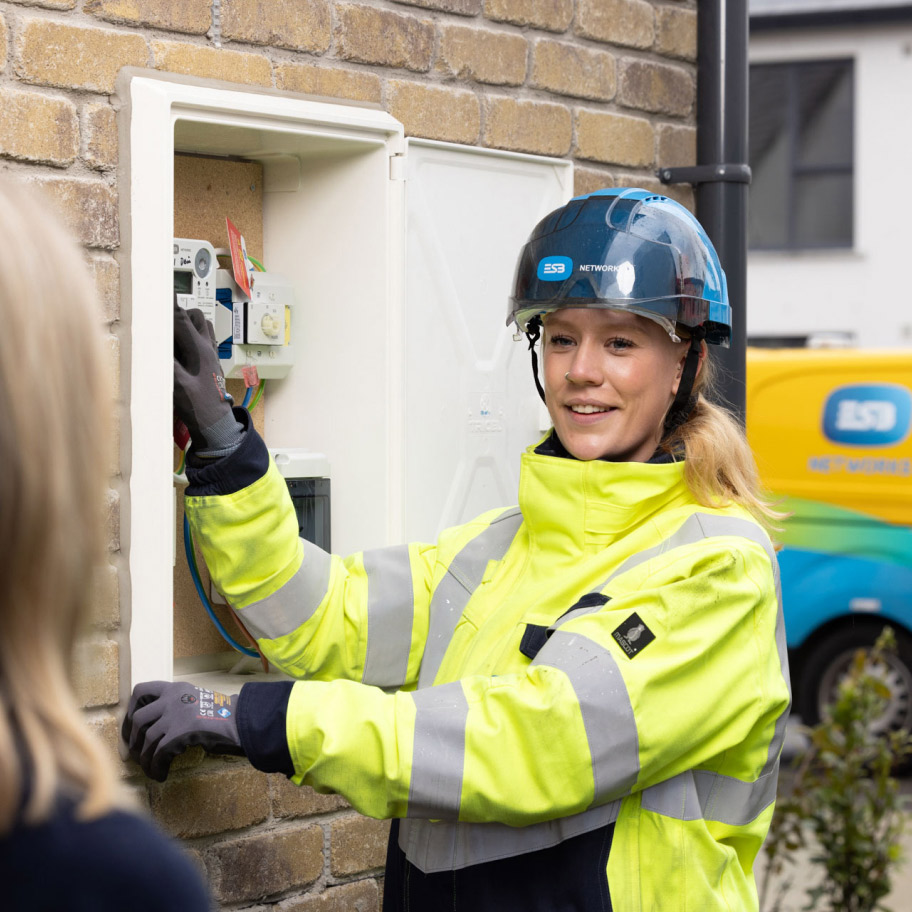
(868, 414)
(554, 268)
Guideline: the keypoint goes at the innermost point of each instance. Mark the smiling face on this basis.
(610, 378)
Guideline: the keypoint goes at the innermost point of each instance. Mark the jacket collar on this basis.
(569, 505)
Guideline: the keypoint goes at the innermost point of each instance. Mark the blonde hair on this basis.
(719, 466)
(54, 440)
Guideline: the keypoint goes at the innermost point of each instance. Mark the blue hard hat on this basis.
(623, 249)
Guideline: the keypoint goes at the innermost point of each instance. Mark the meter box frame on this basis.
(334, 224)
(327, 189)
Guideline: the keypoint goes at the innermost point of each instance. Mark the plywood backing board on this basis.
(206, 190)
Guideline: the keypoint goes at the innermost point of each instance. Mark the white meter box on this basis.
(388, 369)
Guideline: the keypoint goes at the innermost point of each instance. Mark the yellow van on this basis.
(831, 433)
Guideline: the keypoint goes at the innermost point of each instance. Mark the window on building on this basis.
(801, 154)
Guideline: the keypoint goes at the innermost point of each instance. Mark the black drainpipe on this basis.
(722, 175)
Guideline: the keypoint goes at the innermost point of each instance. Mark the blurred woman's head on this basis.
(54, 452)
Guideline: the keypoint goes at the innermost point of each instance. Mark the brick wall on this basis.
(609, 84)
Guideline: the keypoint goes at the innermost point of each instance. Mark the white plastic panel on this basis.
(471, 404)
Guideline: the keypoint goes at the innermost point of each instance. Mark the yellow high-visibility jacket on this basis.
(594, 679)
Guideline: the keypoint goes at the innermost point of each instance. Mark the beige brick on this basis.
(106, 729)
(4, 42)
(629, 23)
(614, 138)
(38, 128)
(435, 112)
(112, 521)
(676, 32)
(290, 800)
(551, 15)
(382, 36)
(209, 63)
(527, 126)
(460, 7)
(193, 16)
(57, 54)
(264, 865)
(676, 146)
(357, 844)
(105, 272)
(644, 181)
(304, 25)
(99, 131)
(657, 87)
(105, 606)
(498, 58)
(47, 4)
(191, 759)
(88, 208)
(683, 193)
(96, 676)
(331, 82)
(200, 805)
(569, 69)
(360, 896)
(588, 180)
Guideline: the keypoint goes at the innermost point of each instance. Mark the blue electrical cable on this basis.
(248, 396)
(194, 573)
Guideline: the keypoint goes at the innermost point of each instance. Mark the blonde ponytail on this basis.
(719, 465)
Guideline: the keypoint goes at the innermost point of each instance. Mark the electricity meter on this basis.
(194, 275)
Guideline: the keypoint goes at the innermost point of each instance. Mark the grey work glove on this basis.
(164, 719)
(200, 398)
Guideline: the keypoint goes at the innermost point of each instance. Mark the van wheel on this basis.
(829, 662)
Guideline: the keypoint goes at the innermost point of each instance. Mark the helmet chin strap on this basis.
(533, 334)
(684, 400)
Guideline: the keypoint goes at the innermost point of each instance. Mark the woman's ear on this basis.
(683, 360)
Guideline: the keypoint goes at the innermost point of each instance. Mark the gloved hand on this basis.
(164, 719)
(200, 398)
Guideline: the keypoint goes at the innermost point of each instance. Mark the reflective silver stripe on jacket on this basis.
(448, 846)
(390, 613)
(438, 753)
(605, 706)
(463, 577)
(704, 795)
(294, 603)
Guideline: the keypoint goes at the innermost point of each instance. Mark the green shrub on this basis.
(843, 803)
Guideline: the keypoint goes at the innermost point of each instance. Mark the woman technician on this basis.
(576, 703)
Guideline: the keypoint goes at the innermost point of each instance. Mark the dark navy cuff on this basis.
(261, 712)
(227, 474)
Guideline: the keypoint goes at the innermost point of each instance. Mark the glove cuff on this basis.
(221, 438)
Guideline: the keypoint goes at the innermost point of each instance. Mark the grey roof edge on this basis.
(777, 14)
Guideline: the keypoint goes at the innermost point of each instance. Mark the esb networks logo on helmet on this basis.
(868, 414)
(554, 268)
